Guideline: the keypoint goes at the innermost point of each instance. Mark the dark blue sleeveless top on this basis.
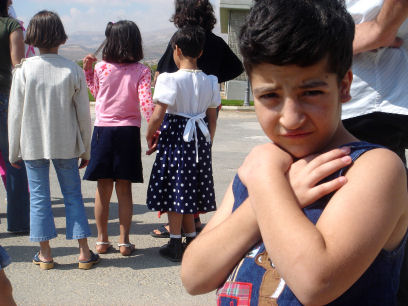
(255, 281)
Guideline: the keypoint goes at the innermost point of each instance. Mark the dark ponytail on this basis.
(108, 29)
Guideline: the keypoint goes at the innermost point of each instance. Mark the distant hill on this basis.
(74, 52)
(82, 43)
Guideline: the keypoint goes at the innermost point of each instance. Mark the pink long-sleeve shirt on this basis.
(122, 92)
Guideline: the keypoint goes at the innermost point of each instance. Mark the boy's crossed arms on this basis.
(318, 262)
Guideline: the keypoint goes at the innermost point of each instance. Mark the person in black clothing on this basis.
(217, 58)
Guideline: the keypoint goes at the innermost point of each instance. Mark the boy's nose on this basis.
(292, 116)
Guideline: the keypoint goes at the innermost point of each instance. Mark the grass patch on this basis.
(234, 102)
(91, 97)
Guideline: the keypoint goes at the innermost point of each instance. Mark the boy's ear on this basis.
(345, 85)
(201, 53)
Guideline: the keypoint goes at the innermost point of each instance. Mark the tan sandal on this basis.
(129, 246)
(44, 265)
(88, 264)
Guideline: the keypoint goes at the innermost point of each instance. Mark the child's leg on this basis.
(70, 184)
(76, 219)
(45, 251)
(84, 252)
(42, 226)
(87, 258)
(188, 223)
(175, 222)
(124, 192)
(6, 295)
(189, 227)
(102, 199)
(197, 221)
(174, 249)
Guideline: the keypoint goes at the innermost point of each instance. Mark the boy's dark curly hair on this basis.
(298, 32)
(194, 12)
(123, 42)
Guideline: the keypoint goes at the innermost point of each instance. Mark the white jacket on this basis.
(49, 115)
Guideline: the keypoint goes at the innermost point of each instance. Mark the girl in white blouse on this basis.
(181, 181)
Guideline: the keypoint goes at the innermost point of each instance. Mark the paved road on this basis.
(142, 279)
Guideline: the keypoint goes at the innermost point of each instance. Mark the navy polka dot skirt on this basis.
(177, 182)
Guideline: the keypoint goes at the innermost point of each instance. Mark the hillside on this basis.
(81, 43)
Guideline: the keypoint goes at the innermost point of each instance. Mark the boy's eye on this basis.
(270, 95)
(312, 93)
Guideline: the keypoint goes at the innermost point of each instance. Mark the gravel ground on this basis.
(142, 279)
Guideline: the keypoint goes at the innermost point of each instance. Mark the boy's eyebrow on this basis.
(262, 89)
(313, 84)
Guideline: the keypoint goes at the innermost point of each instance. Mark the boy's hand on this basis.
(263, 162)
(306, 173)
(152, 141)
(83, 163)
(88, 61)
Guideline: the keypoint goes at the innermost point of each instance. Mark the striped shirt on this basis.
(380, 76)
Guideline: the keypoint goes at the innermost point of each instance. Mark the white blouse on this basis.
(187, 92)
(380, 76)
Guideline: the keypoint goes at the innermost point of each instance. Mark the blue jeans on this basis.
(42, 226)
(18, 201)
(4, 258)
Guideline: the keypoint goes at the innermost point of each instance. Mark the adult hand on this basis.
(305, 174)
(83, 163)
(17, 164)
(88, 61)
(396, 43)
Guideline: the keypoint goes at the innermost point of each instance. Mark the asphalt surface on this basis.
(142, 279)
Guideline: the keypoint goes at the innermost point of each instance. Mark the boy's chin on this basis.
(298, 152)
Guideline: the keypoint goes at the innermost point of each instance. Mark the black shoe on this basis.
(187, 242)
(173, 250)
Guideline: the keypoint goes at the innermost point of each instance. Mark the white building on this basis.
(232, 16)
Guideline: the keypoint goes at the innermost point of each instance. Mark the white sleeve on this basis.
(15, 113)
(216, 97)
(81, 102)
(165, 90)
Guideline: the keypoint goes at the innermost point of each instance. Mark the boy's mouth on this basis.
(297, 134)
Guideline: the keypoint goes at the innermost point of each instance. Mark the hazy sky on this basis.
(93, 15)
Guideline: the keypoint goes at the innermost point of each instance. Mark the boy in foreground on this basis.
(315, 216)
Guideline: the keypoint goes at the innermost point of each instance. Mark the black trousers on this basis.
(391, 131)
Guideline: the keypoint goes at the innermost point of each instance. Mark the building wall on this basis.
(236, 89)
(236, 20)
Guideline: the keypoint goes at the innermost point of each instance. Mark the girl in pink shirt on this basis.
(121, 86)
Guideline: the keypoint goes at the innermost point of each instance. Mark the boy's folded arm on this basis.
(209, 259)
(321, 262)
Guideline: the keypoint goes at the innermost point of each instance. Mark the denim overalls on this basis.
(255, 281)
